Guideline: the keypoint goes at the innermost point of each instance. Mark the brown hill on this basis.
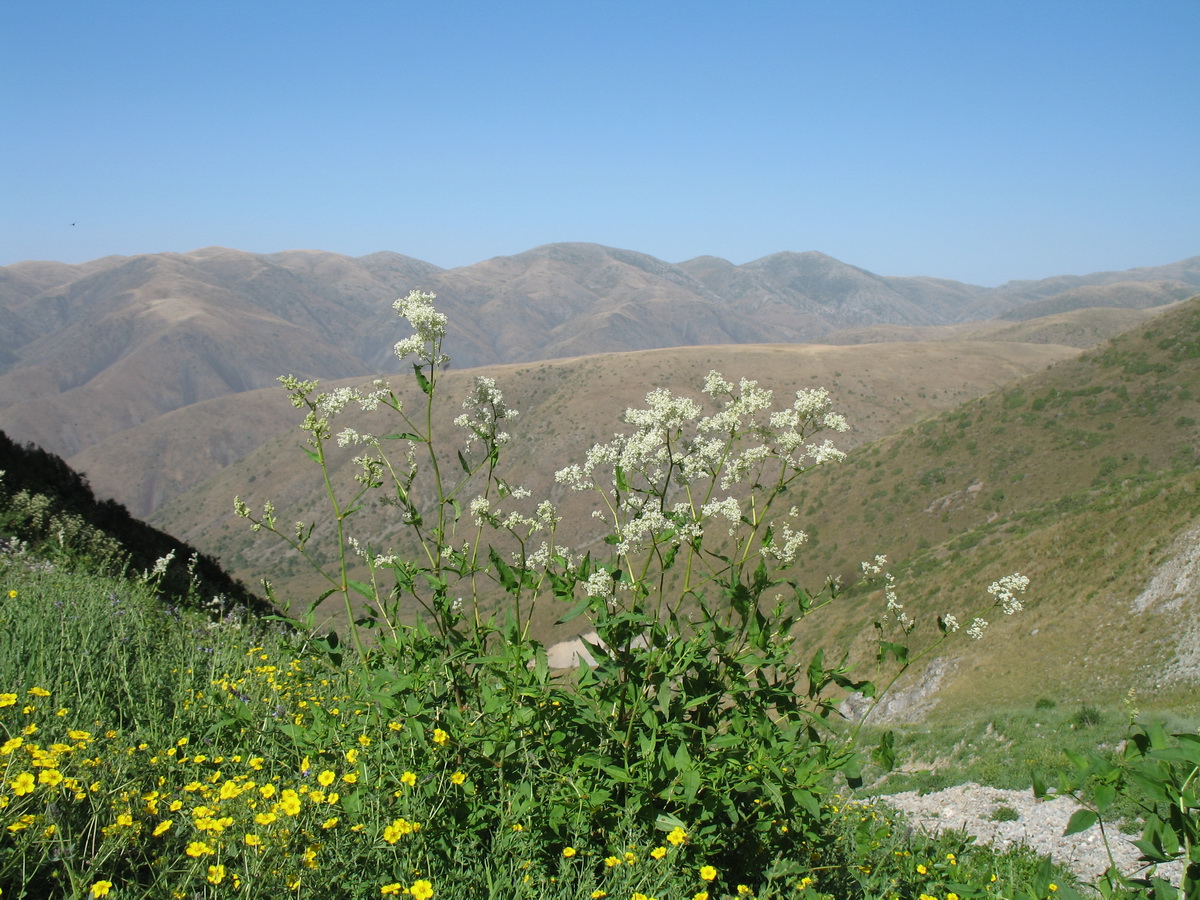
(91, 353)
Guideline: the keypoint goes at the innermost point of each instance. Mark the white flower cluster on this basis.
(485, 410)
(786, 552)
(1006, 589)
(484, 512)
(894, 607)
(674, 445)
(428, 325)
(599, 584)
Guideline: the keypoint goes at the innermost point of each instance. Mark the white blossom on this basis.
(1006, 589)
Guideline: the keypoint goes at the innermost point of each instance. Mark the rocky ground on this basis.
(1039, 824)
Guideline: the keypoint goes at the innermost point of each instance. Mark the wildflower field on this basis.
(155, 745)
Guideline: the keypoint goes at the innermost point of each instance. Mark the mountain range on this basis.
(89, 351)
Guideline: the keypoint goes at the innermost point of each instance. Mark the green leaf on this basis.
(622, 482)
(1104, 794)
(885, 754)
(361, 588)
(899, 651)
(402, 436)
(462, 461)
(1081, 820)
(575, 611)
(422, 381)
(508, 580)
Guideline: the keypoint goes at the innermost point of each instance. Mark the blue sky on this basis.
(981, 141)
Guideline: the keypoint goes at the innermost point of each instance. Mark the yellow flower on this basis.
(393, 888)
(743, 889)
(198, 849)
(289, 802)
(568, 852)
(677, 836)
(7, 700)
(408, 778)
(397, 830)
(458, 778)
(38, 692)
(50, 777)
(658, 852)
(330, 823)
(101, 888)
(1053, 886)
(421, 890)
(708, 873)
(350, 777)
(79, 735)
(952, 896)
(364, 741)
(253, 840)
(921, 870)
(12, 595)
(11, 744)
(163, 826)
(440, 737)
(326, 778)
(612, 861)
(22, 784)
(216, 874)
(597, 894)
(701, 895)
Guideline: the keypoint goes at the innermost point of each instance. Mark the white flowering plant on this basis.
(699, 707)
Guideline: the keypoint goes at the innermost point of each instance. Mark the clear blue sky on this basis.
(970, 139)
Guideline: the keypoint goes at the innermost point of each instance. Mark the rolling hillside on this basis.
(90, 351)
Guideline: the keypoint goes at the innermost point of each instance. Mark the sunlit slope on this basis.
(1082, 476)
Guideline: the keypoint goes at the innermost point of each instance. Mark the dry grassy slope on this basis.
(1081, 476)
(1081, 328)
(567, 405)
(91, 350)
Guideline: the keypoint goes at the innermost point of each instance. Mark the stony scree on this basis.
(1039, 825)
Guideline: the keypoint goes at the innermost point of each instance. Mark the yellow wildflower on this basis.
(198, 848)
(101, 888)
(421, 890)
(568, 852)
(708, 873)
(658, 852)
(457, 778)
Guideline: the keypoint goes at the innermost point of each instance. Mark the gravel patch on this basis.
(1039, 825)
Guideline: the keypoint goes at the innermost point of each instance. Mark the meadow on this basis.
(168, 743)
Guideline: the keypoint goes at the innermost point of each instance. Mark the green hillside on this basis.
(1083, 477)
